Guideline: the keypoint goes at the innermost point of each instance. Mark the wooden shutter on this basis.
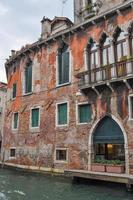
(28, 79)
(84, 113)
(65, 58)
(35, 117)
(62, 114)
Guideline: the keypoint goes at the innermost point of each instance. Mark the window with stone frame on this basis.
(14, 92)
(61, 155)
(12, 152)
(15, 121)
(62, 112)
(106, 52)
(92, 55)
(35, 117)
(28, 78)
(121, 47)
(84, 113)
(63, 70)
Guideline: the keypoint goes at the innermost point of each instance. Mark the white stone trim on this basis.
(90, 143)
(61, 161)
(56, 120)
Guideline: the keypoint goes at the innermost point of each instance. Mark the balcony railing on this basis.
(112, 73)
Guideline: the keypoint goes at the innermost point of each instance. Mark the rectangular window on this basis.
(61, 154)
(15, 121)
(63, 68)
(13, 152)
(28, 79)
(62, 114)
(131, 107)
(14, 90)
(84, 113)
(35, 118)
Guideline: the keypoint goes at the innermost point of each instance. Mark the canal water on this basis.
(22, 186)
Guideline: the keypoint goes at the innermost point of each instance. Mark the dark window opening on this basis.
(61, 155)
(12, 152)
(109, 152)
(14, 90)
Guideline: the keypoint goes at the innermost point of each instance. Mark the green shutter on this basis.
(108, 132)
(60, 68)
(85, 113)
(65, 58)
(63, 67)
(15, 126)
(35, 117)
(14, 90)
(28, 79)
(62, 114)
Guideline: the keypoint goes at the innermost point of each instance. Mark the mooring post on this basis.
(129, 187)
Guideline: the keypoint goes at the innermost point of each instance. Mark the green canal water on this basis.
(22, 186)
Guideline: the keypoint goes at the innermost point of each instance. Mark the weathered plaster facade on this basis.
(37, 147)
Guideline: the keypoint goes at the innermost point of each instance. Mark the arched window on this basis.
(92, 55)
(63, 70)
(106, 52)
(121, 47)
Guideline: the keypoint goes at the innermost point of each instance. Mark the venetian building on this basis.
(70, 94)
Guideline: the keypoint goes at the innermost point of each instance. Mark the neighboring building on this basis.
(70, 94)
(3, 90)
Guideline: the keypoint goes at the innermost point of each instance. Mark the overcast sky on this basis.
(20, 23)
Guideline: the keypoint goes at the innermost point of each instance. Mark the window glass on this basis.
(61, 155)
(35, 117)
(14, 90)
(15, 121)
(12, 152)
(63, 67)
(62, 114)
(84, 113)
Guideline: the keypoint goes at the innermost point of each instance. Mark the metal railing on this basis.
(110, 72)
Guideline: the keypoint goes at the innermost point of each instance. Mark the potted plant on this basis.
(98, 166)
(115, 166)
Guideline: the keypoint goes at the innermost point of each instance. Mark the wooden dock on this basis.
(110, 177)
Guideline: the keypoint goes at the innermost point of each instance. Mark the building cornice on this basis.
(71, 30)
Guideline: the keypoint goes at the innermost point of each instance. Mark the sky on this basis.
(20, 23)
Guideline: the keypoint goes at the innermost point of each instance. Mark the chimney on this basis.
(46, 28)
(13, 52)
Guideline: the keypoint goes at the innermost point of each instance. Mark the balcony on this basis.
(107, 75)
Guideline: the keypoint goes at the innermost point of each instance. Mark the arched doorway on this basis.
(108, 141)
